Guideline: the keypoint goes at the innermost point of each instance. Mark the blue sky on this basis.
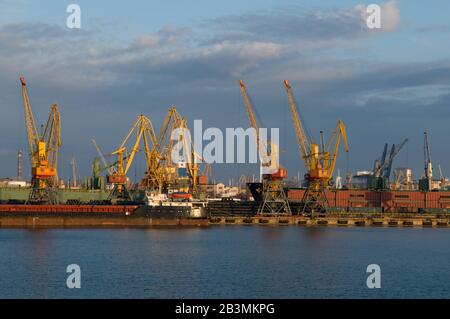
(143, 56)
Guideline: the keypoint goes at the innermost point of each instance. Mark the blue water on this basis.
(226, 262)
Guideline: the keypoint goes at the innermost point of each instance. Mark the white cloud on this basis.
(245, 50)
(390, 16)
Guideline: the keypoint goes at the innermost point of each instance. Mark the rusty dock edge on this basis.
(343, 219)
(142, 222)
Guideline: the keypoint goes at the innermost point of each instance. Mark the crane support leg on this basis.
(275, 201)
(120, 192)
(43, 192)
(314, 200)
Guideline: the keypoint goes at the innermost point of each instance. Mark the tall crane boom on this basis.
(427, 156)
(110, 168)
(274, 199)
(161, 170)
(142, 129)
(302, 139)
(30, 124)
(52, 132)
(248, 107)
(267, 151)
(383, 157)
(386, 168)
(43, 150)
(319, 164)
(329, 161)
(175, 123)
(250, 113)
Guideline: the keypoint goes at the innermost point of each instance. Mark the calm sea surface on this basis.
(226, 262)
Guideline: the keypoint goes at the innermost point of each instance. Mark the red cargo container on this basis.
(295, 194)
(356, 198)
(390, 201)
(331, 197)
(402, 201)
(432, 200)
(373, 198)
(444, 200)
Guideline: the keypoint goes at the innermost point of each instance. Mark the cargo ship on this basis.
(153, 211)
(176, 205)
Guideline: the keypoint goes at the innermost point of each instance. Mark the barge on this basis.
(97, 216)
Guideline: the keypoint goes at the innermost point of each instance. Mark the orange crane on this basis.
(43, 151)
(319, 164)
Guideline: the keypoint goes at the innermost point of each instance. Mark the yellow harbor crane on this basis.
(319, 164)
(168, 176)
(163, 174)
(274, 199)
(142, 129)
(43, 149)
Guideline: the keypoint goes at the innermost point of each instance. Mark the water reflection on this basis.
(225, 262)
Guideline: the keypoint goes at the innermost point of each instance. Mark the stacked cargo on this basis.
(388, 201)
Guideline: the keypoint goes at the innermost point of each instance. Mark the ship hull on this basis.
(96, 216)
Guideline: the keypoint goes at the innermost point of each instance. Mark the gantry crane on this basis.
(143, 131)
(43, 149)
(274, 199)
(319, 164)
